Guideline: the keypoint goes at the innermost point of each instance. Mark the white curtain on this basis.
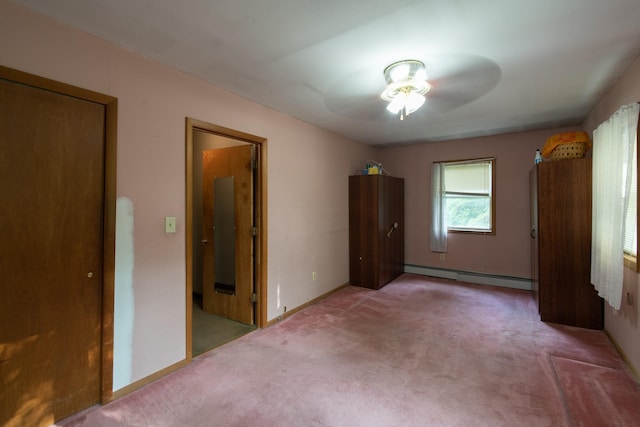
(613, 143)
(438, 230)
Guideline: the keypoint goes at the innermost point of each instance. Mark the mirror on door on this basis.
(224, 235)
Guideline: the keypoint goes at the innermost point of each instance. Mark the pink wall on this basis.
(508, 252)
(622, 324)
(307, 176)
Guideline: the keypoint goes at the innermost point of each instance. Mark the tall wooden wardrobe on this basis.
(561, 243)
(376, 229)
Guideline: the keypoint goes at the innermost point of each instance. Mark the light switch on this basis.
(169, 224)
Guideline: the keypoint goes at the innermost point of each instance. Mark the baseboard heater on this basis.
(470, 277)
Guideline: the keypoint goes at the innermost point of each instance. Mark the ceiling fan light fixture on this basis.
(398, 72)
(406, 86)
(413, 102)
(397, 103)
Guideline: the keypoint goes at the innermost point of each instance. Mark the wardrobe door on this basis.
(363, 231)
(533, 195)
(564, 221)
(392, 227)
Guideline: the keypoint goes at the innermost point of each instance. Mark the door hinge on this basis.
(254, 164)
(254, 297)
(254, 231)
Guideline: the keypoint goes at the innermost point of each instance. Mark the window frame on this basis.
(492, 195)
(630, 260)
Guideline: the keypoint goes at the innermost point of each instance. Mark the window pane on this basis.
(468, 190)
(469, 212)
(468, 177)
(630, 225)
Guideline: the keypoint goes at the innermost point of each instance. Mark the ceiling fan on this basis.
(452, 80)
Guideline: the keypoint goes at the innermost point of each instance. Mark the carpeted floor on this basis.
(418, 352)
(210, 331)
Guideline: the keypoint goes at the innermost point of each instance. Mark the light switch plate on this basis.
(169, 224)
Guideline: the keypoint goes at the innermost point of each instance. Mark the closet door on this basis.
(52, 180)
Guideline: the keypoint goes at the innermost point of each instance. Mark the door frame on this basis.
(109, 208)
(260, 207)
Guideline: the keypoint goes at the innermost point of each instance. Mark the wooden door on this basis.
(364, 234)
(227, 273)
(51, 223)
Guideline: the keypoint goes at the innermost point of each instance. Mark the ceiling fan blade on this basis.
(363, 107)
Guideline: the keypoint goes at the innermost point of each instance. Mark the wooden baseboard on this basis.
(632, 368)
(303, 306)
(148, 379)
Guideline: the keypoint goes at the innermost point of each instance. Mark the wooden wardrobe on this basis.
(376, 229)
(561, 243)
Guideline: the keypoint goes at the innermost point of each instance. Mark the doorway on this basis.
(226, 234)
(57, 183)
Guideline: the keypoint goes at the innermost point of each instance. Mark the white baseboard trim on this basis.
(465, 276)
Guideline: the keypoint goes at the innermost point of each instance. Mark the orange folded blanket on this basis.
(565, 138)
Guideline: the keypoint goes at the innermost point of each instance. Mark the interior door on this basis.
(227, 274)
(51, 223)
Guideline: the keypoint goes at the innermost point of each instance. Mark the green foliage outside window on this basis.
(469, 212)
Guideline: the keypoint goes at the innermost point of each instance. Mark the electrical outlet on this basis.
(442, 256)
(314, 276)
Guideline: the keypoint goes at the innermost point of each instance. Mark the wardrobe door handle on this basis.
(393, 228)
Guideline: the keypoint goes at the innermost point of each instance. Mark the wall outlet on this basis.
(314, 276)
(442, 256)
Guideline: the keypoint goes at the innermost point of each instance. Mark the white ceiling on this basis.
(496, 66)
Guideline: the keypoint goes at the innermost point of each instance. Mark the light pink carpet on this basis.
(418, 352)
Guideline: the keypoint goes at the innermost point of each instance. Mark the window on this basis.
(614, 152)
(631, 203)
(469, 196)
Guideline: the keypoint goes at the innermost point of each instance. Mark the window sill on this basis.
(470, 231)
(631, 262)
